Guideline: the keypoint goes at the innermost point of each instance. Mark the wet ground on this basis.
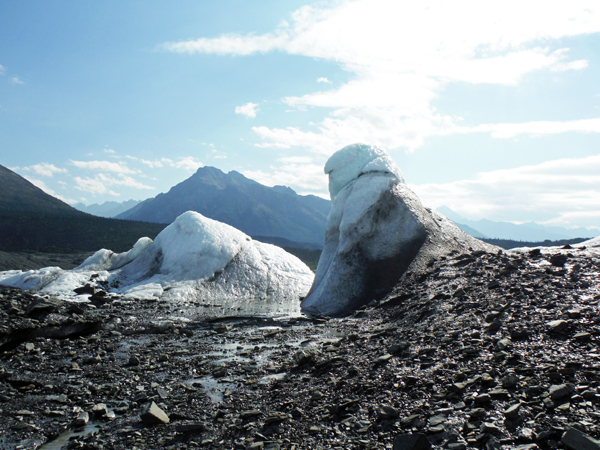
(483, 351)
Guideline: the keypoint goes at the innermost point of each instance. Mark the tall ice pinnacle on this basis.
(377, 230)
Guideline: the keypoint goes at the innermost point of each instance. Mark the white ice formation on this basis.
(376, 231)
(194, 259)
(593, 243)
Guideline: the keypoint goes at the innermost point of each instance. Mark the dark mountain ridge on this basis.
(19, 195)
(247, 205)
(31, 220)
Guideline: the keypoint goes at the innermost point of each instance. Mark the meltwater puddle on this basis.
(63, 438)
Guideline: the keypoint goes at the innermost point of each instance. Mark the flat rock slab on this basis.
(576, 440)
(152, 414)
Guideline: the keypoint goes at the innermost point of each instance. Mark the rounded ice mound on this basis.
(196, 247)
(354, 160)
(199, 258)
(193, 259)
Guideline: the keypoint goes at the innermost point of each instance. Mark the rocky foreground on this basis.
(487, 351)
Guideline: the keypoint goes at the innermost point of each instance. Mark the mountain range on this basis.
(255, 209)
(530, 231)
(31, 220)
(106, 209)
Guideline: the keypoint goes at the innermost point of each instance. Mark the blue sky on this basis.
(490, 109)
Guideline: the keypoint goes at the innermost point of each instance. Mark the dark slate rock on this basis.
(576, 440)
(411, 442)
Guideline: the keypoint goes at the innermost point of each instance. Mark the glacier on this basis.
(377, 231)
(193, 259)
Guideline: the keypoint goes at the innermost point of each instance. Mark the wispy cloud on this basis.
(539, 128)
(307, 177)
(157, 163)
(302, 172)
(402, 55)
(217, 154)
(188, 163)
(94, 186)
(45, 169)
(16, 80)
(103, 166)
(230, 44)
(2, 70)
(101, 183)
(323, 80)
(571, 186)
(249, 110)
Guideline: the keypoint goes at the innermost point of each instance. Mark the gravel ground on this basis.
(483, 351)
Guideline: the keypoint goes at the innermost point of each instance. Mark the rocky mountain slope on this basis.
(494, 351)
(233, 199)
(19, 195)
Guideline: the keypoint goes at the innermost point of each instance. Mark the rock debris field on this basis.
(482, 351)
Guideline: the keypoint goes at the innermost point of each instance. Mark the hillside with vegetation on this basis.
(33, 221)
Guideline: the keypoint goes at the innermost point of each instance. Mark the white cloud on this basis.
(45, 169)
(152, 164)
(403, 54)
(323, 80)
(296, 159)
(539, 128)
(569, 186)
(248, 110)
(2, 70)
(101, 183)
(188, 163)
(308, 178)
(103, 166)
(40, 184)
(217, 154)
(110, 151)
(16, 80)
(229, 44)
(94, 186)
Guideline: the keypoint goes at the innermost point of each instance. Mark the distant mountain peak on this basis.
(530, 231)
(245, 204)
(107, 209)
(284, 190)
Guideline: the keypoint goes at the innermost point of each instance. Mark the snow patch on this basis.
(105, 259)
(595, 242)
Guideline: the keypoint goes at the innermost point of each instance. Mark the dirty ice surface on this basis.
(358, 177)
(194, 259)
(377, 228)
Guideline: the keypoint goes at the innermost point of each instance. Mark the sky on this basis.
(489, 108)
